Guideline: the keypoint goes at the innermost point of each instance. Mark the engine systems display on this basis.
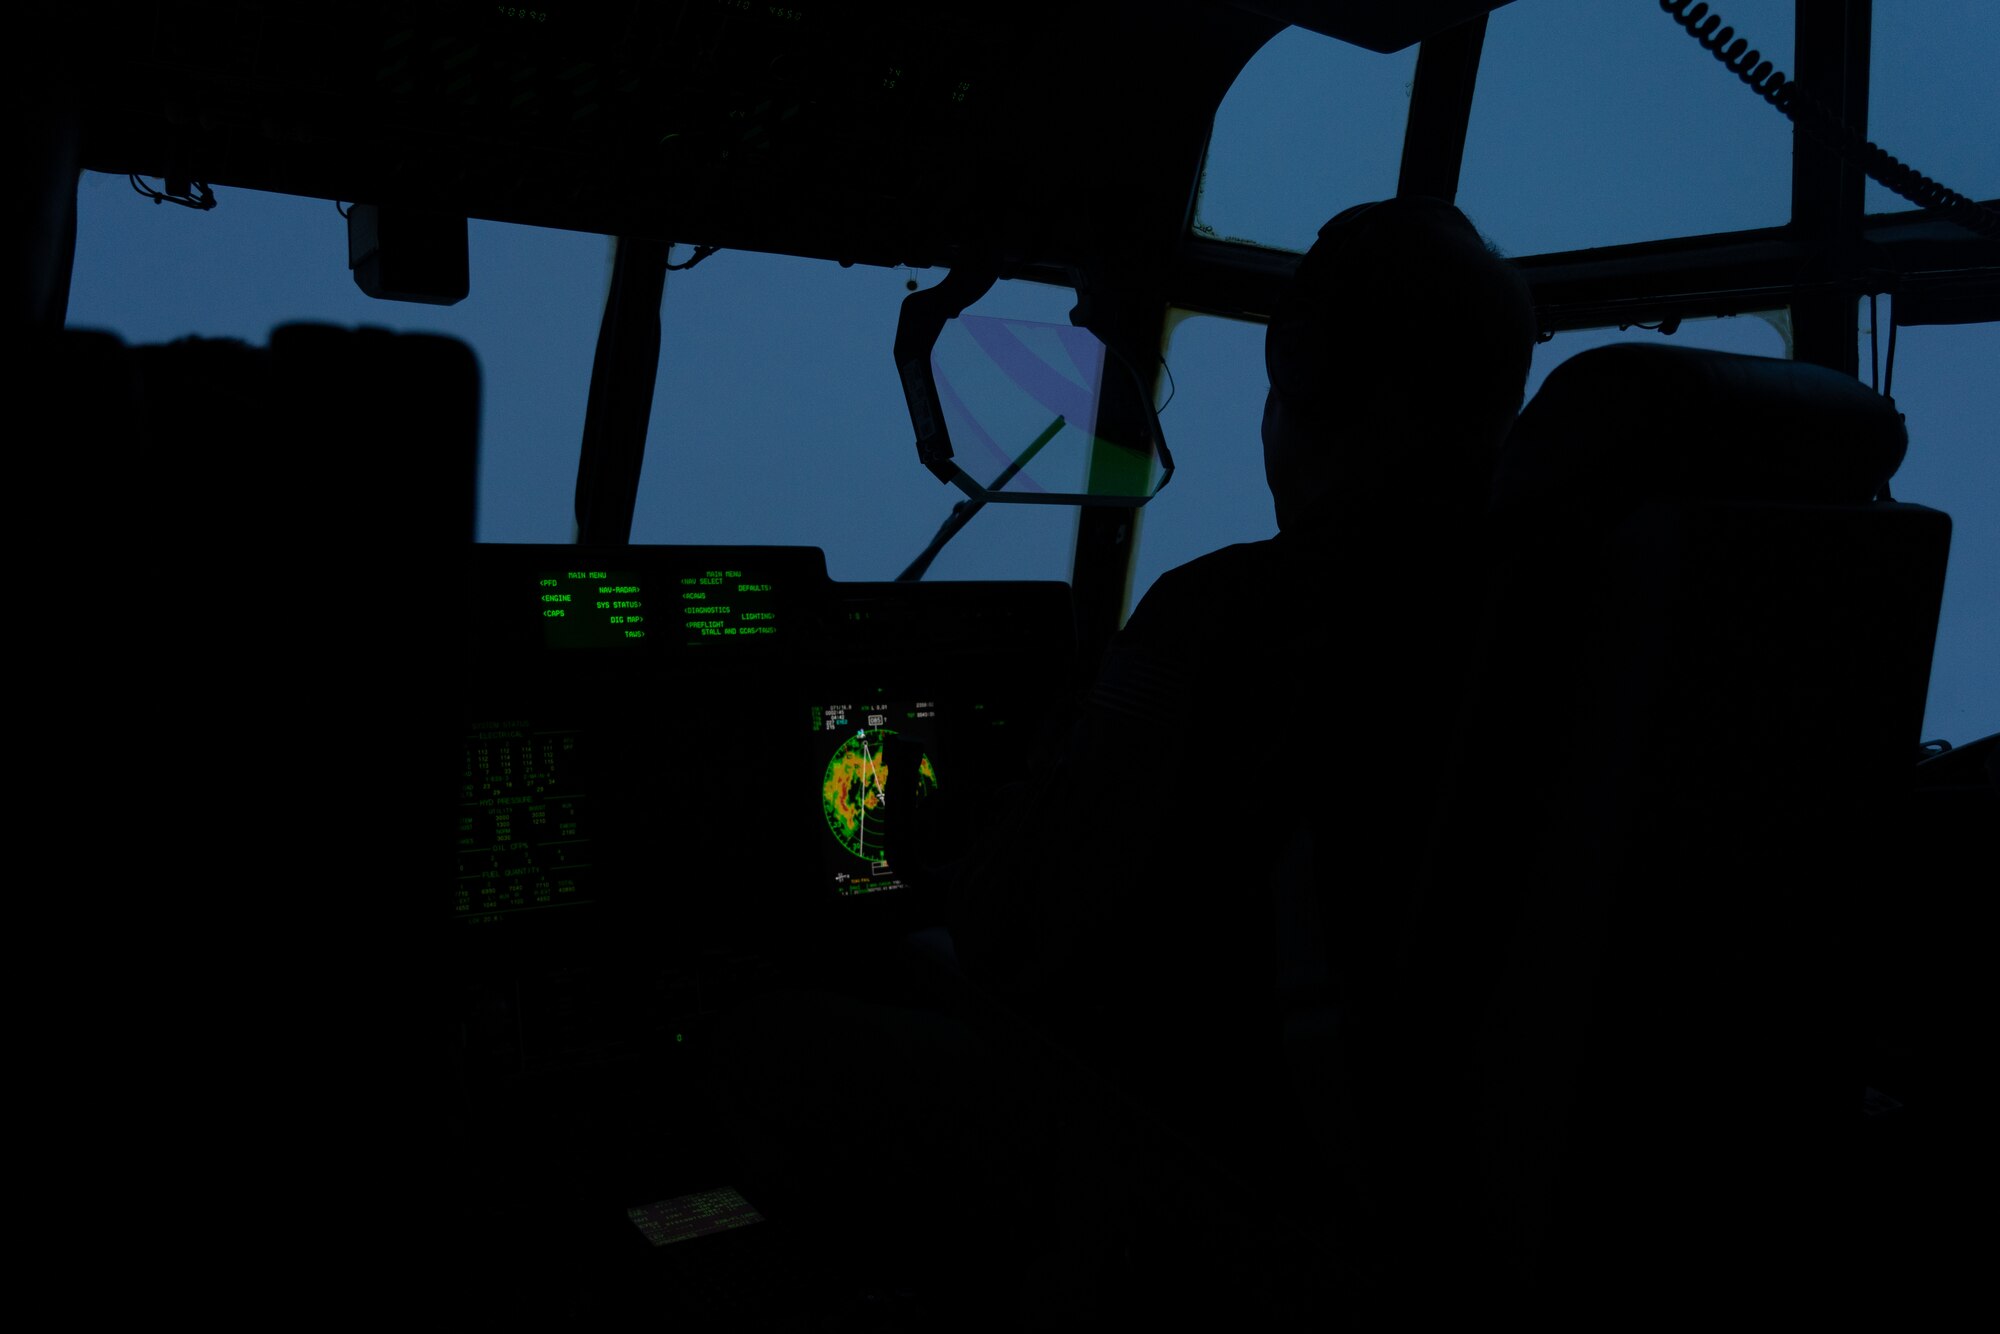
(523, 840)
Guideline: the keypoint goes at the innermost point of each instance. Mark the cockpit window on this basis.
(151, 274)
(779, 418)
(1943, 382)
(1212, 424)
(1596, 124)
(1310, 126)
(1930, 81)
(1764, 335)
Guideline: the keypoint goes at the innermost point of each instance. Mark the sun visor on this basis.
(1011, 411)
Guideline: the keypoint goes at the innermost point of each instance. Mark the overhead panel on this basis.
(873, 130)
(1379, 25)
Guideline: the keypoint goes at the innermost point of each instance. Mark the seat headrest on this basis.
(1637, 421)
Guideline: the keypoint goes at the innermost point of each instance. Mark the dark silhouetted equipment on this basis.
(400, 254)
(252, 743)
(1378, 27)
(1622, 1058)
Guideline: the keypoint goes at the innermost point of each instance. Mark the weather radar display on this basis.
(861, 747)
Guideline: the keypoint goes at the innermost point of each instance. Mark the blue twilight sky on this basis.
(778, 418)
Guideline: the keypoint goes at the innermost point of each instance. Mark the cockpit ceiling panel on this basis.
(882, 131)
(1379, 25)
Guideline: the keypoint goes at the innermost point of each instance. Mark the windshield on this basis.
(778, 417)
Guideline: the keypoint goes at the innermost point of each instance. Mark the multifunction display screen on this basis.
(862, 751)
(694, 605)
(591, 608)
(718, 605)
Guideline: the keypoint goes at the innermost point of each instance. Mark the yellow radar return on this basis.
(860, 748)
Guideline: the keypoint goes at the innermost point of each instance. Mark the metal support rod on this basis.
(1685, 276)
(1832, 67)
(621, 393)
(1440, 110)
(961, 513)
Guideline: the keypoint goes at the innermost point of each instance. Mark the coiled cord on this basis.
(1741, 60)
(1811, 115)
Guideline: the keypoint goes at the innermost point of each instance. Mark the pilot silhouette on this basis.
(1270, 713)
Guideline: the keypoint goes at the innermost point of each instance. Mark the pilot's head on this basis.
(1397, 359)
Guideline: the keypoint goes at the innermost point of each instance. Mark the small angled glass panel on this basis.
(1021, 400)
(1934, 96)
(1310, 126)
(1601, 122)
